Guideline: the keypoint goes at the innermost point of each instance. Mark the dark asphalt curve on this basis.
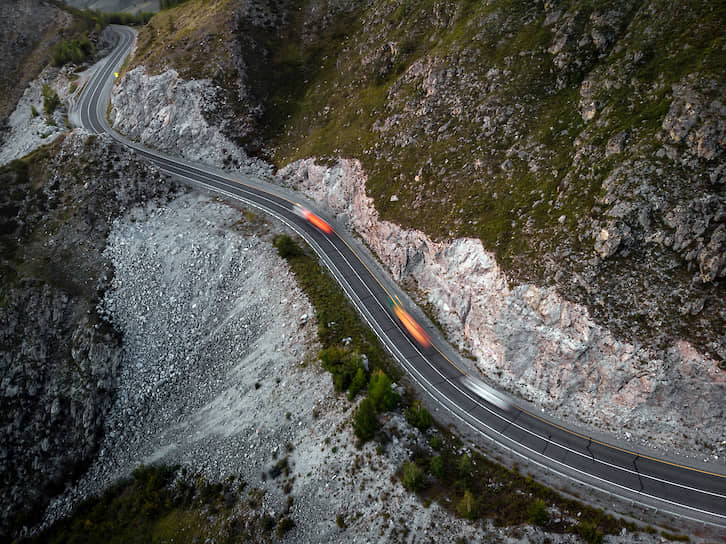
(696, 494)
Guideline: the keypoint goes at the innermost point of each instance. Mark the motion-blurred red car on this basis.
(314, 219)
(414, 329)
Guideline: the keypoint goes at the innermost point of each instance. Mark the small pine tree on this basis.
(467, 506)
(381, 392)
(414, 478)
(436, 466)
(418, 416)
(365, 421)
(357, 383)
(589, 532)
(465, 466)
(50, 99)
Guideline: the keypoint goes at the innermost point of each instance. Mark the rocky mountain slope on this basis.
(582, 147)
(59, 359)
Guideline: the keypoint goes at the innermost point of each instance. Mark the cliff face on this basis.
(528, 338)
(58, 358)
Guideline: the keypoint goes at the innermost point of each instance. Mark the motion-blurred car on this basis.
(489, 394)
(314, 219)
(409, 323)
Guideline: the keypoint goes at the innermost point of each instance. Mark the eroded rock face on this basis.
(528, 338)
(29, 126)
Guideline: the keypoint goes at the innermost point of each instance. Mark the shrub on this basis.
(436, 442)
(414, 478)
(340, 521)
(418, 416)
(589, 532)
(467, 506)
(75, 50)
(537, 512)
(357, 383)
(436, 466)
(343, 364)
(381, 392)
(279, 467)
(284, 526)
(286, 247)
(365, 421)
(268, 522)
(33, 111)
(50, 99)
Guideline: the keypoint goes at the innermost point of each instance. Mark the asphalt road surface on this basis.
(692, 493)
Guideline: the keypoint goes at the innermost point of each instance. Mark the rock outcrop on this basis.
(527, 338)
(167, 113)
(30, 125)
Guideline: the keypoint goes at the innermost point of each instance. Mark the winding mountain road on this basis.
(637, 478)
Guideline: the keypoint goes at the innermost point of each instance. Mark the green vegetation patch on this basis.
(346, 341)
(164, 504)
(75, 50)
(341, 331)
(193, 37)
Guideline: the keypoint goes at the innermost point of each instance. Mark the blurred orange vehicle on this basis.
(314, 219)
(410, 324)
